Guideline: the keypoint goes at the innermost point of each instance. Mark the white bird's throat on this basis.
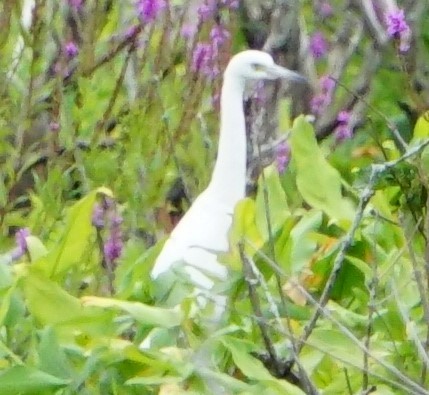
(229, 174)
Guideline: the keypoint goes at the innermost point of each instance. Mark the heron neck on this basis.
(229, 175)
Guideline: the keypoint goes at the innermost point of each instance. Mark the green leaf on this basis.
(421, 128)
(52, 305)
(362, 266)
(318, 182)
(337, 345)
(27, 380)
(52, 359)
(78, 230)
(303, 246)
(145, 314)
(35, 247)
(270, 191)
(254, 369)
(244, 228)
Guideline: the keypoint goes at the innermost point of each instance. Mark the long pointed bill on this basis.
(281, 72)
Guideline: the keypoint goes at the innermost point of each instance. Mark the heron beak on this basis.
(277, 71)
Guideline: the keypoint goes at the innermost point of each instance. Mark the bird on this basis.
(202, 234)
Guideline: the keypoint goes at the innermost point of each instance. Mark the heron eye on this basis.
(257, 67)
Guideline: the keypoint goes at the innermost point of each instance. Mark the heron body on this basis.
(202, 233)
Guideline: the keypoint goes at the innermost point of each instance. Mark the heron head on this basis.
(255, 65)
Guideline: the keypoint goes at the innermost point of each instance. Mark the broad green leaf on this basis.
(28, 380)
(35, 247)
(361, 265)
(303, 245)
(254, 369)
(421, 131)
(145, 314)
(52, 358)
(5, 304)
(77, 232)
(244, 228)
(270, 200)
(345, 316)
(421, 128)
(154, 380)
(229, 382)
(337, 346)
(49, 304)
(318, 182)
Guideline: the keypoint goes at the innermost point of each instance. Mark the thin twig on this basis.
(371, 312)
(114, 96)
(305, 380)
(270, 227)
(327, 314)
(251, 282)
(349, 385)
(347, 240)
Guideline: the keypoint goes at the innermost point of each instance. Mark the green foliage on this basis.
(72, 322)
(317, 181)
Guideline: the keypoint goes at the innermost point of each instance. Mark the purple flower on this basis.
(131, 32)
(396, 23)
(71, 49)
(188, 31)
(148, 10)
(202, 60)
(54, 126)
(318, 104)
(98, 216)
(75, 3)
(398, 29)
(219, 35)
(282, 156)
(320, 101)
(116, 220)
(207, 10)
(105, 215)
(232, 4)
(325, 9)
(318, 45)
(21, 244)
(343, 132)
(20, 238)
(327, 84)
(113, 247)
(343, 117)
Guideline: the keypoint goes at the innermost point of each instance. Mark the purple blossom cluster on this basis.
(76, 4)
(113, 246)
(105, 215)
(148, 10)
(209, 8)
(343, 131)
(324, 9)
(71, 49)
(318, 45)
(205, 53)
(398, 29)
(21, 244)
(282, 156)
(322, 100)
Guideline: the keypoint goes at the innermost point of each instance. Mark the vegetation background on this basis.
(109, 121)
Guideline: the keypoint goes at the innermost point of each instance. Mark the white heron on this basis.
(202, 233)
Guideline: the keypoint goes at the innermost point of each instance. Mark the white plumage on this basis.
(202, 233)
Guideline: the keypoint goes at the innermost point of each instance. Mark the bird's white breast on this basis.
(197, 239)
